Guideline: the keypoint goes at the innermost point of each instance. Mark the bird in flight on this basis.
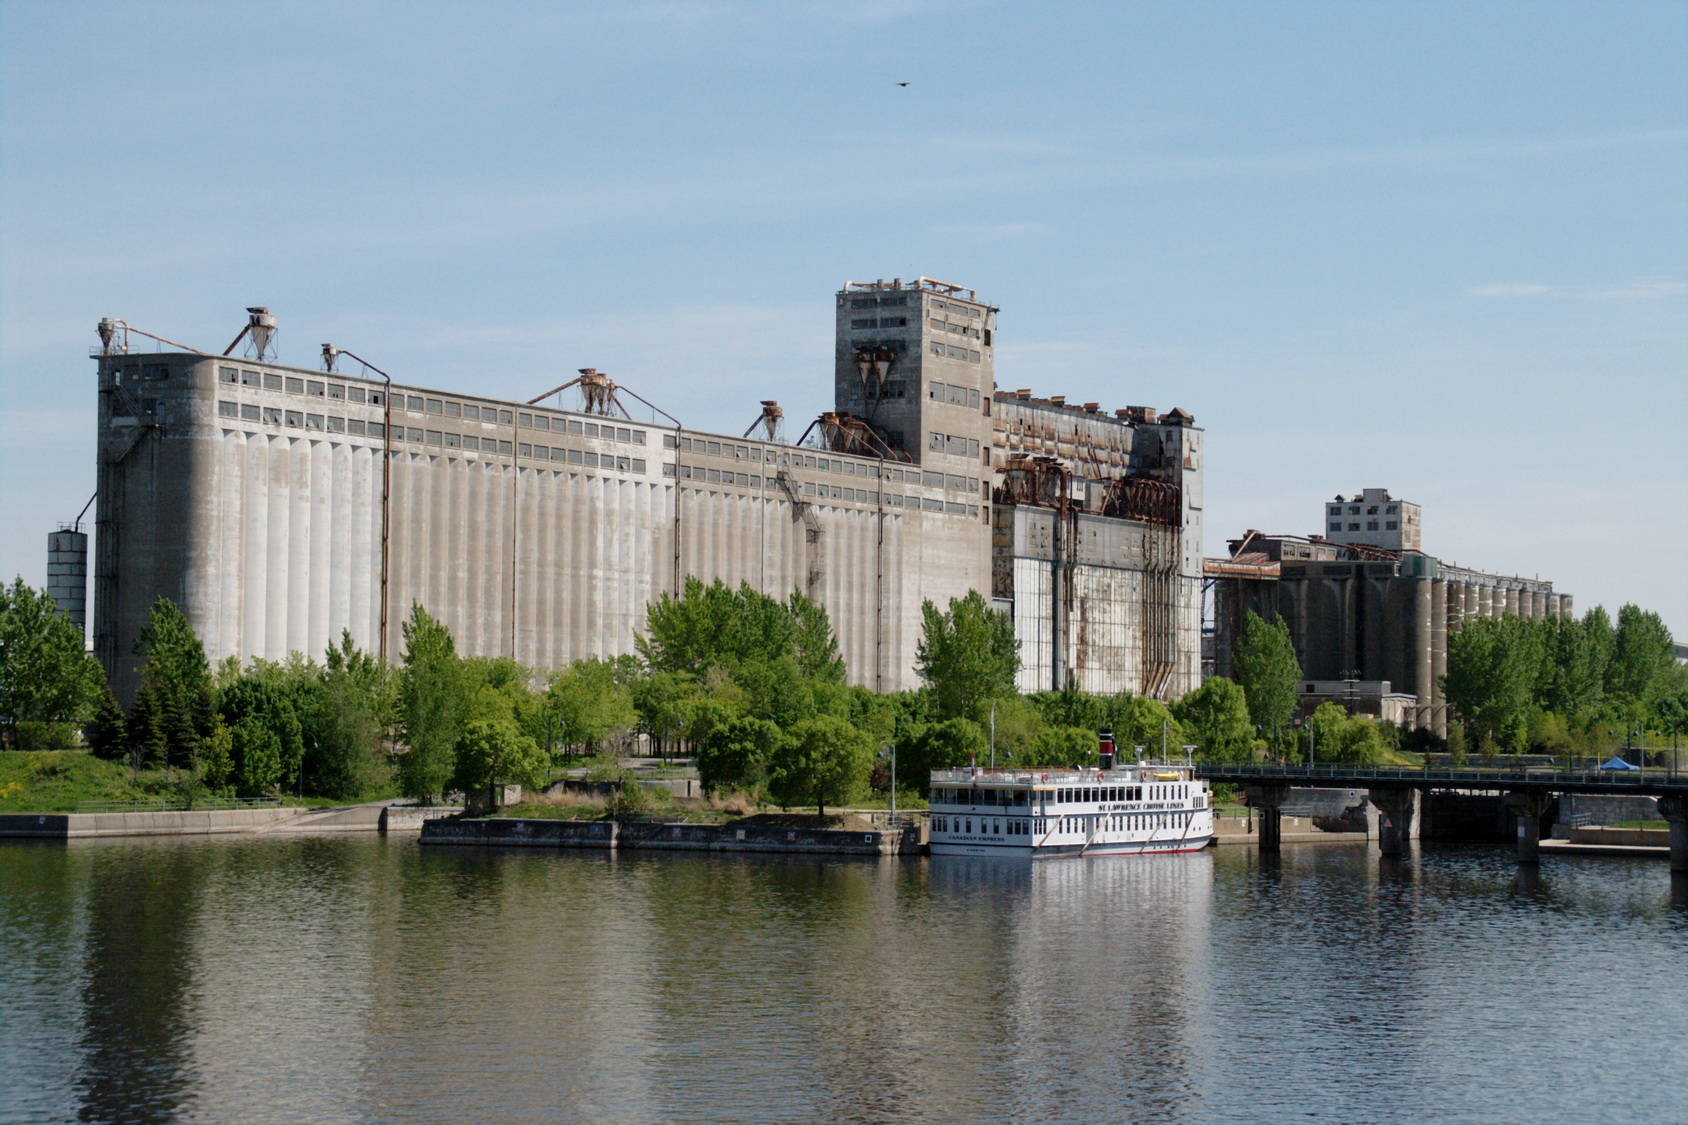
(902, 83)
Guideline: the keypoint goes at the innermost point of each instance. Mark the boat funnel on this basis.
(1106, 741)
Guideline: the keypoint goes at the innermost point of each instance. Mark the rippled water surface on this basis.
(361, 979)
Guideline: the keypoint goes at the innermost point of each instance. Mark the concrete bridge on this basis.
(1396, 791)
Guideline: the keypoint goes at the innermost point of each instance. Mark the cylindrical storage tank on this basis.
(1512, 601)
(1538, 605)
(67, 574)
(1553, 605)
(1485, 601)
(1430, 693)
(1565, 610)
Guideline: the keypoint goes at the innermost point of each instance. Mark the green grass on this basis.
(57, 780)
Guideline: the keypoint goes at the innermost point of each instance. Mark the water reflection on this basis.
(365, 980)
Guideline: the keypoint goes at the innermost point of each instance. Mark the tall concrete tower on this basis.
(67, 573)
(916, 360)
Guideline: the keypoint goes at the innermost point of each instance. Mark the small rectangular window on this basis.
(272, 382)
(337, 390)
(524, 450)
(755, 481)
(412, 402)
(623, 434)
(377, 430)
(558, 453)
(228, 410)
(504, 417)
(935, 442)
(272, 415)
(973, 395)
(250, 412)
(714, 448)
(638, 465)
(668, 468)
(591, 460)
(251, 379)
(295, 386)
(411, 433)
(435, 437)
(295, 418)
(472, 413)
(623, 464)
(955, 482)
(375, 398)
(638, 437)
(1392, 525)
(228, 375)
(935, 390)
(355, 394)
(315, 389)
(932, 480)
(504, 447)
(355, 426)
(668, 441)
(471, 442)
(574, 457)
(591, 429)
(932, 505)
(435, 406)
(336, 425)
(575, 427)
(973, 357)
(453, 441)
(526, 420)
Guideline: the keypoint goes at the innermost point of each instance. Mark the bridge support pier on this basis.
(1399, 822)
(1529, 808)
(1269, 799)
(1674, 808)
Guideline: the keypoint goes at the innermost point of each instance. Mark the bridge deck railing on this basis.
(1461, 777)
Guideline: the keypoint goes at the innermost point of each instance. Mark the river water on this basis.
(354, 978)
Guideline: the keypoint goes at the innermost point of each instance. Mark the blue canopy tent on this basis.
(1619, 764)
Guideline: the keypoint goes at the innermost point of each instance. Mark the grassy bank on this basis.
(58, 780)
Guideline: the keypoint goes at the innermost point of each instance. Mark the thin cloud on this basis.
(1510, 289)
(1647, 289)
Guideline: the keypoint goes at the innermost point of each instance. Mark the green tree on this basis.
(1601, 638)
(49, 684)
(663, 702)
(1642, 657)
(821, 761)
(586, 703)
(1572, 677)
(1268, 672)
(174, 706)
(967, 655)
(257, 759)
(1492, 670)
(347, 725)
(734, 751)
(106, 732)
(261, 700)
(716, 626)
(950, 744)
(1139, 721)
(1216, 718)
(432, 702)
(216, 757)
(492, 752)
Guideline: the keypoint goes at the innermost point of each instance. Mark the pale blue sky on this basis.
(1438, 248)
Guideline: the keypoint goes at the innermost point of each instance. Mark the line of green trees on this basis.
(755, 687)
(1562, 685)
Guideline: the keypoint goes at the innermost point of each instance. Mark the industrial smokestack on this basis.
(1106, 747)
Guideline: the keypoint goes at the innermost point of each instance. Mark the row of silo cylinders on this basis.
(1444, 606)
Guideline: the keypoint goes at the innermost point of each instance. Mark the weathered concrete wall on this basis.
(614, 835)
(266, 530)
(66, 826)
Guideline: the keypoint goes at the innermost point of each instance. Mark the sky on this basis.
(1435, 248)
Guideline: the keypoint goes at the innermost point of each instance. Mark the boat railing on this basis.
(985, 776)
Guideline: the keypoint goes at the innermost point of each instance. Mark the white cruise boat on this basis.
(1124, 810)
